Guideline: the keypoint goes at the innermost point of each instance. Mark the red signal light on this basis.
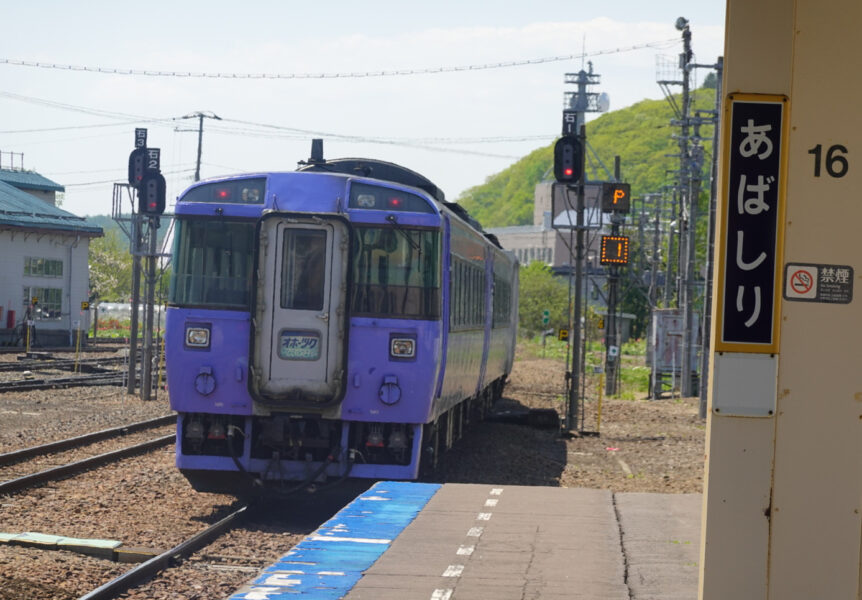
(394, 202)
(222, 193)
(567, 172)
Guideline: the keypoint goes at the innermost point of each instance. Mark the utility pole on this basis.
(573, 415)
(576, 104)
(612, 345)
(200, 116)
(653, 282)
(689, 201)
(669, 269)
(713, 191)
(149, 350)
(136, 301)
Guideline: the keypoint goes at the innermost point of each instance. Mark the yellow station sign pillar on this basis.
(783, 492)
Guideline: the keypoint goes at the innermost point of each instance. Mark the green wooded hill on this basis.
(640, 134)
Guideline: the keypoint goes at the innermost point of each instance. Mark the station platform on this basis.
(406, 541)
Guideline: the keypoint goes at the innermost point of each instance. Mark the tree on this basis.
(539, 291)
(110, 267)
(711, 81)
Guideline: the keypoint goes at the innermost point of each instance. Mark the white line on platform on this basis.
(326, 538)
(484, 517)
(491, 502)
(453, 571)
(475, 531)
(496, 491)
(441, 594)
(466, 550)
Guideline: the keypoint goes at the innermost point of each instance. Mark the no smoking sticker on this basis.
(831, 284)
(801, 282)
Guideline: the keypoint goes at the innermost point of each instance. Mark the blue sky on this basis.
(457, 128)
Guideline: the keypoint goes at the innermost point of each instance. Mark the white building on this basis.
(43, 257)
(551, 235)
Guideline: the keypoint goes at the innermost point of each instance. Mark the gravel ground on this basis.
(644, 445)
(650, 446)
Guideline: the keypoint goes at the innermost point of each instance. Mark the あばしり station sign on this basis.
(753, 204)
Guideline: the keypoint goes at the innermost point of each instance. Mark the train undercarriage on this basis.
(241, 454)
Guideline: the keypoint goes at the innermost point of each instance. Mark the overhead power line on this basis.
(68, 127)
(336, 75)
(107, 181)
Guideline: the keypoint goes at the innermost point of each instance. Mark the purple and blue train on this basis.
(339, 320)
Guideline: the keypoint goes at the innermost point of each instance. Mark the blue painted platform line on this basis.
(328, 563)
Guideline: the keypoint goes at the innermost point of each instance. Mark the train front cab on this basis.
(341, 347)
(363, 357)
(338, 364)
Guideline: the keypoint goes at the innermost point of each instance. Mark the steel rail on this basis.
(81, 440)
(112, 378)
(159, 563)
(63, 363)
(14, 485)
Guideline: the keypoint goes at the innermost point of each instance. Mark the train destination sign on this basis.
(830, 284)
(753, 204)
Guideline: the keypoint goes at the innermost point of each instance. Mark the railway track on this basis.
(22, 385)
(78, 466)
(9, 458)
(170, 558)
(87, 365)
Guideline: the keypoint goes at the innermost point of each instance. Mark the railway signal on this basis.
(567, 159)
(151, 194)
(137, 166)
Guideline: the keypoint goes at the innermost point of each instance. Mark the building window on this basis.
(42, 267)
(49, 303)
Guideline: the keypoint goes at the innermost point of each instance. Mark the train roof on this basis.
(375, 169)
(387, 171)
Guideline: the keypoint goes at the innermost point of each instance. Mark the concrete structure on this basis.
(549, 237)
(43, 255)
(783, 492)
(406, 540)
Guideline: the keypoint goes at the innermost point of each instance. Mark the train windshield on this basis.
(396, 272)
(212, 263)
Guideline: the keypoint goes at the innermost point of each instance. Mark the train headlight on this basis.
(400, 347)
(197, 336)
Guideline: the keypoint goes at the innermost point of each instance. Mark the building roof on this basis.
(29, 180)
(21, 210)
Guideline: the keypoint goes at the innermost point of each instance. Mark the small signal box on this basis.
(616, 197)
(615, 250)
(567, 159)
(152, 193)
(137, 166)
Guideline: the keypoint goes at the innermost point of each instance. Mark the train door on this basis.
(299, 335)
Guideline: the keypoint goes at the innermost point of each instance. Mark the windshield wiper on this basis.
(407, 236)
